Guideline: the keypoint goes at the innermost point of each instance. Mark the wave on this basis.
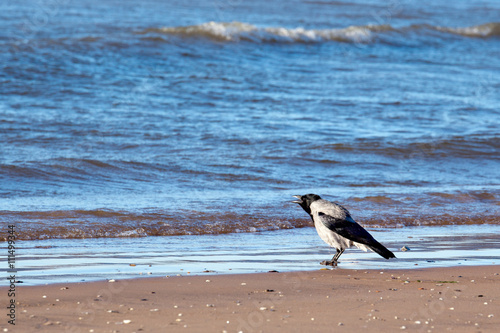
(240, 31)
(104, 223)
(70, 169)
(119, 173)
(457, 146)
(236, 31)
(464, 197)
(480, 31)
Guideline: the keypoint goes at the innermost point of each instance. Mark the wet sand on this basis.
(457, 299)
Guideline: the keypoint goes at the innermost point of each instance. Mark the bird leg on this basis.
(334, 260)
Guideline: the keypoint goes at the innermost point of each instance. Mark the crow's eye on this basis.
(321, 213)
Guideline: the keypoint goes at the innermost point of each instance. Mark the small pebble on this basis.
(340, 324)
(127, 321)
(490, 316)
(112, 280)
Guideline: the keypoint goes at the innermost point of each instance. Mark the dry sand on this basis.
(457, 299)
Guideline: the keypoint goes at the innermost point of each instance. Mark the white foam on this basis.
(483, 30)
(236, 31)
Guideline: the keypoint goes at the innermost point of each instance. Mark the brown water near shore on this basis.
(104, 223)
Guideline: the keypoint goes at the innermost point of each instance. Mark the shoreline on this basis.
(47, 261)
(460, 298)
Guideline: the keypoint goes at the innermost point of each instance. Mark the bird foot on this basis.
(329, 263)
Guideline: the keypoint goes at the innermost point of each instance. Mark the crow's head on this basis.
(305, 201)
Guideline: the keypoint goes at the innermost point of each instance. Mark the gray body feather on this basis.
(326, 215)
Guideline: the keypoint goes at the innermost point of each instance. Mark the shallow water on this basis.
(41, 262)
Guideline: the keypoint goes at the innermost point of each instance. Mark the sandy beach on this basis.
(152, 153)
(457, 299)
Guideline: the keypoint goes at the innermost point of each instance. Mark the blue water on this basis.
(147, 118)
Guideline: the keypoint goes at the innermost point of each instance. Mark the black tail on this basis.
(382, 250)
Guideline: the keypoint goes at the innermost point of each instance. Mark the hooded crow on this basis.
(336, 227)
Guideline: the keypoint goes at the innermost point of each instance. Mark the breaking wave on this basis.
(239, 31)
(478, 31)
(236, 31)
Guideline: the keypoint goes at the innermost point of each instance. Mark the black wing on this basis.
(347, 228)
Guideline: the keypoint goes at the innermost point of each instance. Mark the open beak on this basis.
(297, 201)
